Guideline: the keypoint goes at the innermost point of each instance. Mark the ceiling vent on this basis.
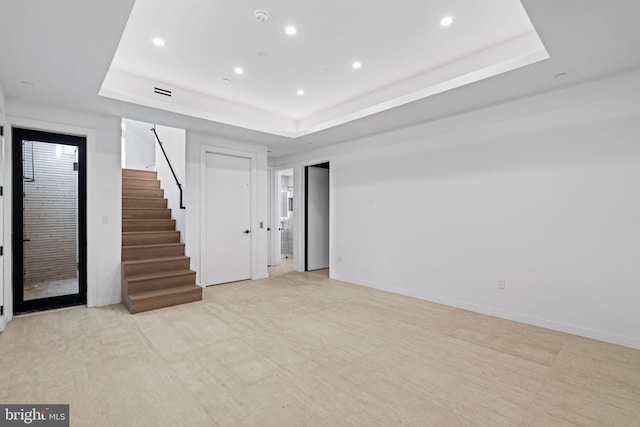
(160, 91)
(261, 15)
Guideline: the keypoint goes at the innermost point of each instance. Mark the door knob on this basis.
(246, 232)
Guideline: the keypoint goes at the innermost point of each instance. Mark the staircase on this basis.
(155, 270)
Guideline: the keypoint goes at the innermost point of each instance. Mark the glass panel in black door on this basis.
(50, 230)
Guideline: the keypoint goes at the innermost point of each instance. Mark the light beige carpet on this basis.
(301, 349)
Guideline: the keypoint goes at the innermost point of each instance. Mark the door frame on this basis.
(92, 212)
(270, 215)
(299, 239)
(306, 208)
(20, 134)
(3, 315)
(209, 149)
(276, 242)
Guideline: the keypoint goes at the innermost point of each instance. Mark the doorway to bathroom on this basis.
(285, 215)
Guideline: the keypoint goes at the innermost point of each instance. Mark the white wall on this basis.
(542, 192)
(192, 191)
(139, 145)
(103, 191)
(173, 141)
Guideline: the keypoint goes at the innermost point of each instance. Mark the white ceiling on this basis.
(405, 52)
(65, 49)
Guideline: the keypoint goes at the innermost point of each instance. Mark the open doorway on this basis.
(316, 178)
(285, 215)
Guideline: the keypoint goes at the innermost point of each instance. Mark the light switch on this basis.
(105, 219)
(261, 224)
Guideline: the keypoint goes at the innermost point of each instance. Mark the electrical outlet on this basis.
(502, 283)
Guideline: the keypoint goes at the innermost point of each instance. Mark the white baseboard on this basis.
(491, 311)
(109, 300)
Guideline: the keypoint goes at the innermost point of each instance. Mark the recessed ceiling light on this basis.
(26, 83)
(290, 30)
(226, 80)
(357, 65)
(446, 21)
(300, 92)
(560, 75)
(158, 42)
(238, 70)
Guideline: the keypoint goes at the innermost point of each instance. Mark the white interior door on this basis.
(270, 194)
(317, 218)
(227, 223)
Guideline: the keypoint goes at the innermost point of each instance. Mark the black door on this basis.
(49, 220)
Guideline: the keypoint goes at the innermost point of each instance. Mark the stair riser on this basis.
(144, 209)
(136, 287)
(143, 192)
(146, 213)
(159, 225)
(143, 203)
(150, 239)
(169, 301)
(155, 267)
(142, 253)
(140, 183)
(139, 174)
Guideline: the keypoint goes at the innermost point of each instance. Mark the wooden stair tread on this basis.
(130, 233)
(147, 220)
(153, 245)
(133, 208)
(143, 192)
(150, 276)
(141, 178)
(152, 260)
(133, 220)
(164, 292)
(141, 183)
(137, 171)
(155, 271)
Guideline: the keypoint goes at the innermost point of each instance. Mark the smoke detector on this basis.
(261, 15)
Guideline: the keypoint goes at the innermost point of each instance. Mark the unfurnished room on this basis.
(327, 213)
